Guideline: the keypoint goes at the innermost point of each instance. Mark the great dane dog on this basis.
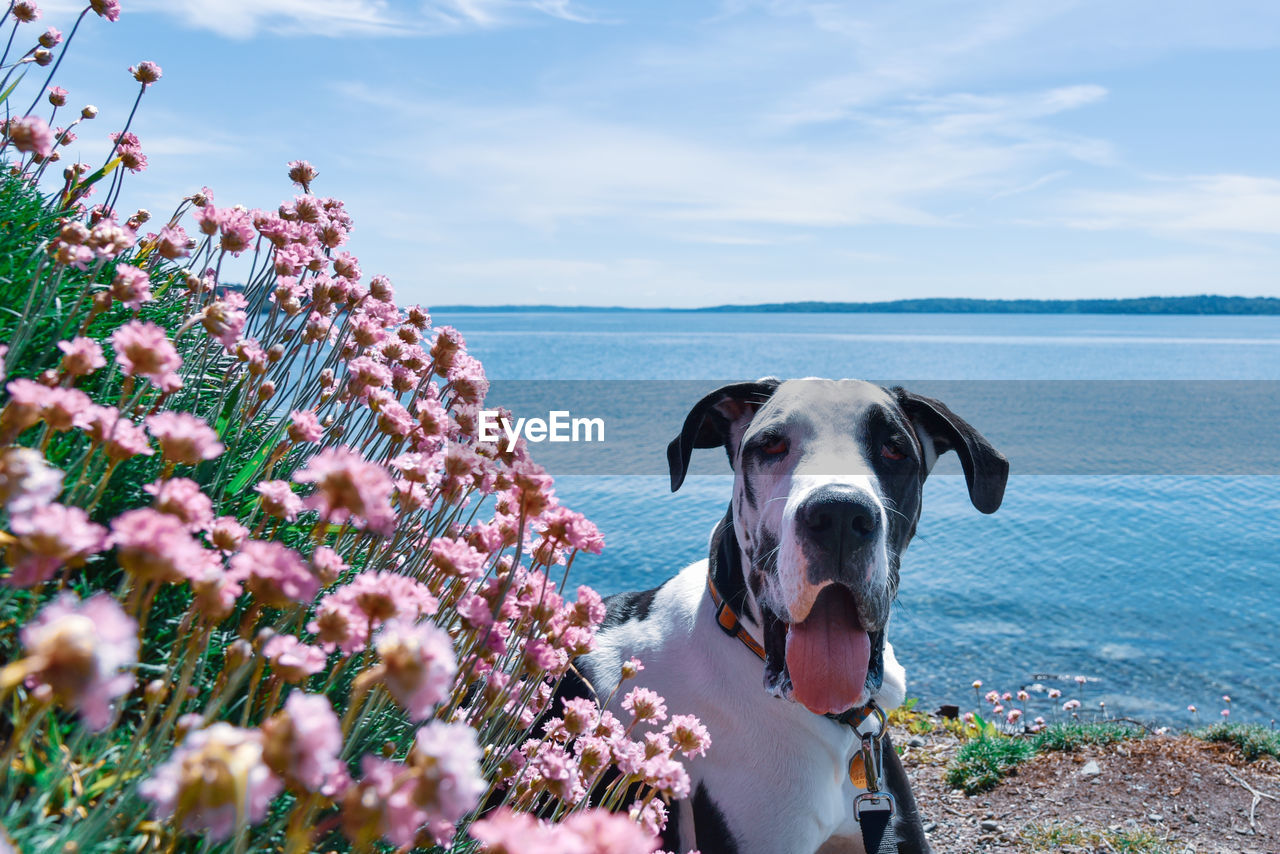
(826, 496)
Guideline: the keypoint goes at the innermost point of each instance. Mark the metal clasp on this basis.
(873, 802)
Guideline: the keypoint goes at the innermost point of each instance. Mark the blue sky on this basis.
(690, 153)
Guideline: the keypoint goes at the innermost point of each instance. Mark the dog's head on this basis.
(826, 498)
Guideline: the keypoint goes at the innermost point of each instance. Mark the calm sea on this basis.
(1163, 590)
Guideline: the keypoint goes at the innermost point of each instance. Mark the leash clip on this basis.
(873, 802)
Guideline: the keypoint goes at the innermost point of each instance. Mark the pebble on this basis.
(930, 826)
(916, 741)
(1155, 816)
(990, 826)
(1090, 769)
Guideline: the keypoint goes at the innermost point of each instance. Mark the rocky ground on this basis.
(1162, 794)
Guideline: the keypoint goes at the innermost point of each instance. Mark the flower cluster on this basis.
(271, 499)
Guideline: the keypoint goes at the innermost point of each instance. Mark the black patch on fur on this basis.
(711, 830)
(624, 607)
(726, 567)
(671, 833)
(908, 823)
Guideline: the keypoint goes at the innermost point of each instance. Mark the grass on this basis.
(1070, 737)
(1252, 740)
(1052, 837)
(981, 763)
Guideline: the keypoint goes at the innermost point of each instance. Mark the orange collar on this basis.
(729, 622)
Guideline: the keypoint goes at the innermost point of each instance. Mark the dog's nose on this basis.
(839, 520)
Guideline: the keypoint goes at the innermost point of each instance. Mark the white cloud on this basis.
(1243, 204)
(343, 18)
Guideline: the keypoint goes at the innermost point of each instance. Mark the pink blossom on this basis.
(182, 498)
(1070, 705)
(27, 481)
(302, 173)
(328, 564)
(292, 659)
(142, 348)
(215, 776)
(109, 9)
(120, 437)
(62, 406)
(236, 225)
(184, 438)
(48, 538)
(344, 617)
(57, 96)
(303, 744)
(50, 38)
(274, 574)
(155, 546)
(224, 319)
(145, 73)
(227, 534)
(349, 488)
(304, 426)
(81, 356)
(418, 664)
(645, 705)
(83, 652)
(278, 499)
(457, 559)
(173, 243)
(24, 410)
(449, 759)
(688, 735)
(131, 286)
(26, 11)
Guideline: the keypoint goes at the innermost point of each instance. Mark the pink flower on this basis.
(236, 225)
(157, 546)
(1070, 705)
(349, 488)
(57, 95)
(1226, 713)
(145, 73)
(81, 356)
(216, 776)
(344, 617)
(121, 438)
(227, 534)
(279, 500)
(142, 348)
(449, 759)
(173, 243)
(109, 9)
(303, 744)
(181, 498)
(27, 481)
(292, 659)
(50, 38)
(62, 406)
(328, 564)
(274, 574)
(645, 705)
(48, 538)
(131, 286)
(26, 11)
(418, 664)
(1014, 716)
(224, 319)
(1054, 693)
(304, 426)
(1191, 709)
(82, 651)
(457, 559)
(688, 735)
(184, 438)
(302, 173)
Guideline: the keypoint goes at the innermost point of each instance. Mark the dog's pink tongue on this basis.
(828, 654)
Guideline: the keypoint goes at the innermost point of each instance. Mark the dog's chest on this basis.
(777, 774)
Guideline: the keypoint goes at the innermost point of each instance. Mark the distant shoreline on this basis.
(1204, 304)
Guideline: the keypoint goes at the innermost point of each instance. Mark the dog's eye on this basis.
(892, 451)
(775, 447)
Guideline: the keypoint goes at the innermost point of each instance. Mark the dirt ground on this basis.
(1155, 795)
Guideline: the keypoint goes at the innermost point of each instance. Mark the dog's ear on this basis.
(711, 422)
(986, 471)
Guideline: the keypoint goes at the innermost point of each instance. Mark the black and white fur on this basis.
(827, 491)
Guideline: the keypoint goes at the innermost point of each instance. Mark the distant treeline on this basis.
(1205, 304)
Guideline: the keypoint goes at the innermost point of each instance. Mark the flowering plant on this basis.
(262, 584)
